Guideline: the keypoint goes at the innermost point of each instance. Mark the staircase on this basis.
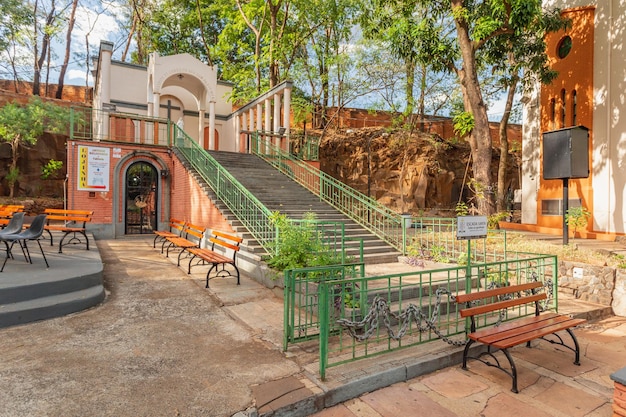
(280, 193)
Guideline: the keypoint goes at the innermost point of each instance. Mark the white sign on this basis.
(471, 227)
(93, 168)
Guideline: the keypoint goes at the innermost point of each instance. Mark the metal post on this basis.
(565, 208)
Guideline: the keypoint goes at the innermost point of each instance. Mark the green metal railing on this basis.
(380, 220)
(251, 212)
(105, 125)
(246, 207)
(355, 317)
(305, 147)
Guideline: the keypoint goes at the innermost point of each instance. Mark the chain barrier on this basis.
(380, 308)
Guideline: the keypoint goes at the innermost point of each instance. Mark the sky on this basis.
(95, 27)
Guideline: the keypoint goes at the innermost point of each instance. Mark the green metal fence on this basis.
(355, 316)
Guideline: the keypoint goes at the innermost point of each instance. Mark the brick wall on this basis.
(179, 194)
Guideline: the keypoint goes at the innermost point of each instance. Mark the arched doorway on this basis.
(141, 198)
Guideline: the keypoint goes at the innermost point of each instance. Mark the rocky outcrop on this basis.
(30, 162)
(415, 172)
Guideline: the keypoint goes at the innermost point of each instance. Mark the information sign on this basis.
(471, 227)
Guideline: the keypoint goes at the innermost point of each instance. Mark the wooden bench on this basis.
(175, 229)
(517, 331)
(68, 222)
(191, 237)
(205, 256)
(6, 212)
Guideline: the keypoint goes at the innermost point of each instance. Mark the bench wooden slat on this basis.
(479, 295)
(528, 325)
(500, 305)
(210, 256)
(513, 324)
(541, 331)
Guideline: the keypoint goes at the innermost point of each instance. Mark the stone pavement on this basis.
(163, 345)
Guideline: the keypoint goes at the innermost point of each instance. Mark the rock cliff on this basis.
(415, 173)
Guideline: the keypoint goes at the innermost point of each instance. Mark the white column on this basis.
(251, 117)
(106, 49)
(276, 119)
(237, 133)
(259, 124)
(212, 125)
(287, 110)
(157, 105)
(268, 121)
(287, 115)
(201, 128)
(244, 126)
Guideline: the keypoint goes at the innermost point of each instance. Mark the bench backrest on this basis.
(6, 210)
(177, 226)
(68, 216)
(492, 300)
(193, 232)
(226, 241)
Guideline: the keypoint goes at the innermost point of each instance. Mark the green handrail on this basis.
(247, 208)
(380, 220)
(251, 212)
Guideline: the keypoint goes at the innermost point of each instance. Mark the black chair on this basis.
(15, 224)
(34, 232)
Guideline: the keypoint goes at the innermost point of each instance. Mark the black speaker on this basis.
(566, 153)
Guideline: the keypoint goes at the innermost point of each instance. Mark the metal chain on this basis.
(380, 308)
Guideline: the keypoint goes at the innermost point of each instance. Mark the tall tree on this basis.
(525, 61)
(68, 43)
(477, 23)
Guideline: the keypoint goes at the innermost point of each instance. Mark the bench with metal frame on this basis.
(191, 237)
(517, 331)
(206, 256)
(176, 228)
(68, 222)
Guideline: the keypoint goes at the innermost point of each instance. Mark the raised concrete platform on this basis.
(32, 292)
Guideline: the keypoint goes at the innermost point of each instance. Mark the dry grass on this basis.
(519, 242)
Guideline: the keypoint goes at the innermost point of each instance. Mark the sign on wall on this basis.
(93, 168)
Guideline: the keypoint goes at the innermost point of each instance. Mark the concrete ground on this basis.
(163, 345)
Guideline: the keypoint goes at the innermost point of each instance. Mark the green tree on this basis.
(525, 62)
(478, 25)
(22, 125)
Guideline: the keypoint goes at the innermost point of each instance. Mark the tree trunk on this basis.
(504, 147)
(44, 50)
(408, 89)
(15, 143)
(66, 58)
(480, 137)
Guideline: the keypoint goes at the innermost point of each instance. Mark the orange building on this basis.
(588, 92)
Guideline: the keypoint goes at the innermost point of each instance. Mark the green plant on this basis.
(12, 176)
(50, 169)
(462, 259)
(494, 219)
(577, 218)
(300, 244)
(438, 254)
(461, 209)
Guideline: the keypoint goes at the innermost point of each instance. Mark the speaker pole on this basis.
(565, 208)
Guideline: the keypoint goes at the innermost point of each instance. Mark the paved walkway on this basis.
(163, 345)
